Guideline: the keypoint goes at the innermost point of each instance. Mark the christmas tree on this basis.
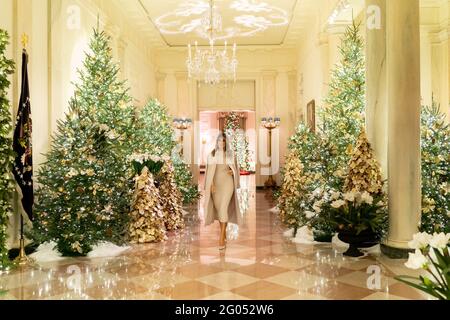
(85, 194)
(364, 171)
(343, 116)
(314, 153)
(155, 135)
(239, 141)
(6, 152)
(291, 190)
(171, 198)
(147, 216)
(435, 142)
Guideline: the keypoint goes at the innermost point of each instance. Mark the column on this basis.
(376, 95)
(282, 111)
(160, 86)
(171, 93)
(403, 87)
(294, 117)
(335, 34)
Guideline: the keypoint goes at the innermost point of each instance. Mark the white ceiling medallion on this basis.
(250, 17)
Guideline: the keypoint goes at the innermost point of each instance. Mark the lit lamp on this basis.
(182, 125)
(270, 124)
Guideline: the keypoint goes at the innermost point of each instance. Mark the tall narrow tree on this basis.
(6, 153)
(343, 116)
(85, 185)
(435, 171)
(155, 135)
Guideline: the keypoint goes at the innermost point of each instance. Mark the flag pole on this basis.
(23, 260)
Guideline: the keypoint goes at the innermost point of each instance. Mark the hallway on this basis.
(259, 264)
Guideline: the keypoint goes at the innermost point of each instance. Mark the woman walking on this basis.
(221, 185)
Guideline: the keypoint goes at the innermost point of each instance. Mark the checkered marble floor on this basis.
(259, 263)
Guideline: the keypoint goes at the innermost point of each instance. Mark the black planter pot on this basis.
(322, 236)
(365, 239)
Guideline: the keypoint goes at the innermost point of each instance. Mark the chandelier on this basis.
(212, 65)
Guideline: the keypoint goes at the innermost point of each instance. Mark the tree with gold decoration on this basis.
(292, 190)
(85, 185)
(364, 173)
(435, 140)
(171, 198)
(6, 152)
(147, 215)
(343, 116)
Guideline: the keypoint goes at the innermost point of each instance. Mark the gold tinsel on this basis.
(293, 179)
(147, 216)
(364, 171)
(171, 198)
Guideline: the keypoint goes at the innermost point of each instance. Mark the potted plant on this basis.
(359, 218)
(432, 254)
(154, 163)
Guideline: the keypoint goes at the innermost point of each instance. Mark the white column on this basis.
(282, 111)
(403, 72)
(376, 95)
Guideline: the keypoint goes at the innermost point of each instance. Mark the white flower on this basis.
(349, 196)
(420, 241)
(104, 127)
(417, 261)
(366, 198)
(335, 195)
(440, 240)
(337, 204)
(309, 214)
(317, 206)
(317, 192)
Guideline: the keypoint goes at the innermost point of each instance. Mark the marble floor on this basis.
(259, 263)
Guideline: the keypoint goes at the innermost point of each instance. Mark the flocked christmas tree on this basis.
(314, 153)
(239, 140)
(147, 215)
(155, 135)
(325, 154)
(85, 194)
(343, 116)
(171, 198)
(435, 142)
(6, 152)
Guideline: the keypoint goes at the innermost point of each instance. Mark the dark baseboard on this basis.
(395, 253)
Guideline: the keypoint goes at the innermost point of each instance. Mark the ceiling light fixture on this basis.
(212, 65)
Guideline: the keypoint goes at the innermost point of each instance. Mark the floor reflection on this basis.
(259, 263)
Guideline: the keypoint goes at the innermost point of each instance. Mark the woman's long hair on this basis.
(222, 136)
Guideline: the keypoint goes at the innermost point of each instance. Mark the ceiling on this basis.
(246, 22)
(252, 23)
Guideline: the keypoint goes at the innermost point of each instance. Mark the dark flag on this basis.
(23, 164)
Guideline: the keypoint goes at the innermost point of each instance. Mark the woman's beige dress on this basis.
(224, 185)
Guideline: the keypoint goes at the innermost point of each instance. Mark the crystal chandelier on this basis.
(212, 65)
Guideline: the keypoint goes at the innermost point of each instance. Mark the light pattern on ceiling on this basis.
(249, 16)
